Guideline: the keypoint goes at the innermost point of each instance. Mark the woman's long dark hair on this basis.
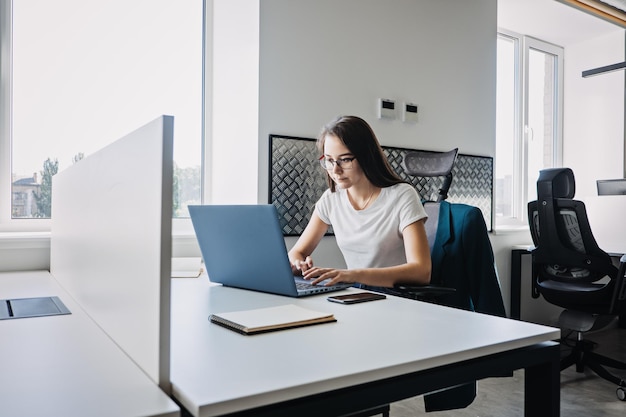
(360, 139)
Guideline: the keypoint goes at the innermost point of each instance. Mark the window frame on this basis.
(520, 181)
(8, 224)
(6, 95)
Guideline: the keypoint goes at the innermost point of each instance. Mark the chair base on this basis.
(582, 356)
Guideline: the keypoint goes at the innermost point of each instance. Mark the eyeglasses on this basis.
(344, 163)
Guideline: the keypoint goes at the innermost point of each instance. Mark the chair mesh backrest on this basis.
(568, 224)
(565, 247)
(432, 164)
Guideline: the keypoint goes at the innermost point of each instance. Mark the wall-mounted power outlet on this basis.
(409, 112)
(386, 108)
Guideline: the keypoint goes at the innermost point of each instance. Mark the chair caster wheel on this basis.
(621, 393)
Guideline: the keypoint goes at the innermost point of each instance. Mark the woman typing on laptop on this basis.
(377, 218)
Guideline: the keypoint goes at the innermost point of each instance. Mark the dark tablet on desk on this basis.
(31, 307)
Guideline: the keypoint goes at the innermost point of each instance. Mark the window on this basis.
(528, 122)
(79, 74)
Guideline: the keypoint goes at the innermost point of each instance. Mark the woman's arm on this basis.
(300, 254)
(416, 270)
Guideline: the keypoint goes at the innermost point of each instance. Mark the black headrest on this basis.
(556, 183)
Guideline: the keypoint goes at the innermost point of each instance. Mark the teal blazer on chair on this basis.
(462, 258)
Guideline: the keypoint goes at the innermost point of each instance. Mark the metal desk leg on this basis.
(516, 282)
(543, 387)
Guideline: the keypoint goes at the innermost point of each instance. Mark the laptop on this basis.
(243, 247)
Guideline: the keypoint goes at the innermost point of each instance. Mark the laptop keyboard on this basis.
(305, 285)
(319, 287)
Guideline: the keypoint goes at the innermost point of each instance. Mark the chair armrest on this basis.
(414, 291)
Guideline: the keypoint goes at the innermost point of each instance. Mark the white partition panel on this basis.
(111, 241)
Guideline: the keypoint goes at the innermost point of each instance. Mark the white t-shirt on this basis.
(372, 238)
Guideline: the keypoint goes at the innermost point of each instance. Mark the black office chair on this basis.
(571, 271)
(474, 285)
(423, 164)
(464, 274)
(430, 165)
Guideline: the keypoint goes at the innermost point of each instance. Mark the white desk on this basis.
(66, 365)
(376, 353)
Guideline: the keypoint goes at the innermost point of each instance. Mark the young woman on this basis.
(377, 218)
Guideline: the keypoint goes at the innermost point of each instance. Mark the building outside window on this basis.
(23, 193)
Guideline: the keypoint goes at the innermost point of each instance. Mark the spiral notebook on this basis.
(270, 319)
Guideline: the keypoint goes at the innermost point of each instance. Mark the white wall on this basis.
(320, 59)
(594, 112)
(323, 58)
(24, 251)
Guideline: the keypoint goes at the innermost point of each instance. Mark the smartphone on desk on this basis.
(359, 297)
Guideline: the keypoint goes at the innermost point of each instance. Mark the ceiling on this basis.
(552, 21)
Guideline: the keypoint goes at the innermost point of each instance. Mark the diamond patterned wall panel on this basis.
(297, 181)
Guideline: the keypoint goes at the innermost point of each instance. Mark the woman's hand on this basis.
(299, 267)
(332, 276)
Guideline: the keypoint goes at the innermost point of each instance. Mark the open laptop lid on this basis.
(243, 247)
